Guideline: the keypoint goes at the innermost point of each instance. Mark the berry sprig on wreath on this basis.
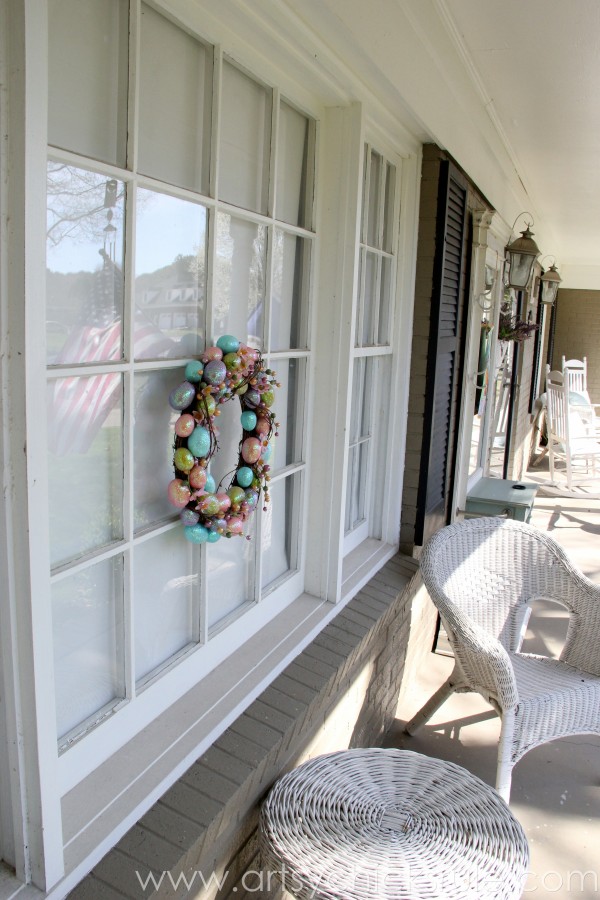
(227, 370)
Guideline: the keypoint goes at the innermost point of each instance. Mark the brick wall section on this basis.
(578, 333)
(430, 176)
(341, 691)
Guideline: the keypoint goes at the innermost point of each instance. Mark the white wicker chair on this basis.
(483, 574)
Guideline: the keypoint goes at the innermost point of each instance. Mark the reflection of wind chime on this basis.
(110, 232)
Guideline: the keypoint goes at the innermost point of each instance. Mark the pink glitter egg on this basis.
(235, 525)
(224, 501)
(251, 449)
(197, 477)
(184, 425)
(262, 426)
(178, 493)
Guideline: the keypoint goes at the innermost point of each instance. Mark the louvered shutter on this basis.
(442, 387)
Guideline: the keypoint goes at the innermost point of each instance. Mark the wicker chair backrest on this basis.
(483, 571)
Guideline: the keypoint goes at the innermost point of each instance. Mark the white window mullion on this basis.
(135, 11)
(276, 100)
(216, 120)
(365, 194)
(128, 531)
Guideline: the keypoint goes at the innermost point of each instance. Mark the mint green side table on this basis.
(500, 497)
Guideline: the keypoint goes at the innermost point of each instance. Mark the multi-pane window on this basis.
(371, 372)
(179, 209)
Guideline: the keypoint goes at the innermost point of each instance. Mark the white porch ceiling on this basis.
(509, 87)
(538, 62)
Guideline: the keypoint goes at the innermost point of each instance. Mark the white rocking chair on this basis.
(575, 378)
(482, 574)
(571, 429)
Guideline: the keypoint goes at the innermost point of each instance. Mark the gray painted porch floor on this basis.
(556, 787)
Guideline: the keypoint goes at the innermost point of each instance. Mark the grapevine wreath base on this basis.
(227, 370)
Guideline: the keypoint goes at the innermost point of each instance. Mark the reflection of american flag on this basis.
(79, 405)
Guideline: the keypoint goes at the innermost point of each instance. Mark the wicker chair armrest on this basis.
(582, 645)
(485, 662)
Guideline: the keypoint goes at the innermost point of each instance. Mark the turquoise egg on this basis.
(181, 396)
(194, 370)
(228, 343)
(213, 537)
(199, 442)
(196, 534)
(248, 420)
(244, 476)
(210, 486)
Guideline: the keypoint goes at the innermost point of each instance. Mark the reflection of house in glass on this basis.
(172, 308)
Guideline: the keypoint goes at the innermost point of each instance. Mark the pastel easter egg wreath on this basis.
(226, 370)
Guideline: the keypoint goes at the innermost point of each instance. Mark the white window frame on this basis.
(88, 744)
(330, 578)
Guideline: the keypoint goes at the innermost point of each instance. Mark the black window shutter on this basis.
(444, 353)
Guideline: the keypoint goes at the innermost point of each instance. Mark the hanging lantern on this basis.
(550, 282)
(522, 254)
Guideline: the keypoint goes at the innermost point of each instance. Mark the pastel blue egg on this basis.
(199, 442)
(248, 420)
(267, 453)
(189, 517)
(210, 487)
(194, 370)
(197, 534)
(228, 343)
(181, 396)
(244, 476)
(213, 537)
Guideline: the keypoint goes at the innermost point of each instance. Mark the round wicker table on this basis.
(385, 824)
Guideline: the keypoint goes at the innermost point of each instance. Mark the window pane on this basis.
(289, 313)
(87, 623)
(87, 77)
(175, 92)
(292, 167)
(373, 207)
(362, 385)
(230, 574)
(166, 575)
(170, 284)
(239, 288)
(385, 302)
(369, 299)
(289, 412)
(153, 446)
(388, 212)
(245, 141)
(85, 470)
(84, 247)
(356, 486)
(279, 525)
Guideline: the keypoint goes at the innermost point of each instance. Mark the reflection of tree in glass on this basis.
(239, 285)
(78, 201)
